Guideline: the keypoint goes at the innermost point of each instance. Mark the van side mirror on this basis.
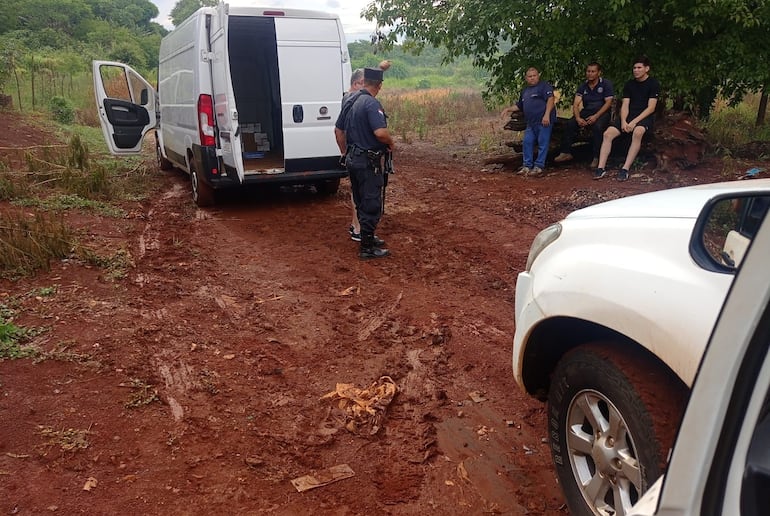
(143, 97)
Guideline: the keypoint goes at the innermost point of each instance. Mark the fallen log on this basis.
(505, 159)
(676, 142)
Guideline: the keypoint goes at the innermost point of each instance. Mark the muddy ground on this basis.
(192, 383)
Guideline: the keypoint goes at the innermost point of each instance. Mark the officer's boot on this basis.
(369, 249)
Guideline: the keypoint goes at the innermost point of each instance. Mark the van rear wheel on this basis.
(202, 193)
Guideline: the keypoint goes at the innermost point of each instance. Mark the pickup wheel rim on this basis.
(602, 454)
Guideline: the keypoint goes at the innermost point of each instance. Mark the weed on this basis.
(143, 393)
(116, 265)
(11, 337)
(27, 245)
(64, 202)
(61, 354)
(67, 440)
(45, 291)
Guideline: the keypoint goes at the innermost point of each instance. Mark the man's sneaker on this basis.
(563, 157)
(355, 237)
(600, 173)
(523, 171)
(537, 171)
(623, 175)
(594, 163)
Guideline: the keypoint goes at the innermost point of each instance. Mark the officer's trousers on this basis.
(367, 182)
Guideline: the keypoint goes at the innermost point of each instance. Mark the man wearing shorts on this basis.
(637, 115)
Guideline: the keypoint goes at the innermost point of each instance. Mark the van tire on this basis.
(328, 187)
(203, 194)
(163, 163)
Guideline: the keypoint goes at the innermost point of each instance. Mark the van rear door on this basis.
(127, 106)
(224, 99)
(310, 49)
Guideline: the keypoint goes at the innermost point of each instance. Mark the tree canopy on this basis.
(184, 8)
(697, 49)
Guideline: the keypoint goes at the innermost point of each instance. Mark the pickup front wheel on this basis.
(612, 419)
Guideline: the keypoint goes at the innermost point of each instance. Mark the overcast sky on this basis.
(348, 10)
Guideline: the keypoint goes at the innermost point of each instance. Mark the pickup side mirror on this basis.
(725, 231)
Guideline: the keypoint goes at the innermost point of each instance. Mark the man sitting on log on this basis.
(591, 109)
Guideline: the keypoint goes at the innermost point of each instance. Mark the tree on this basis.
(696, 47)
(184, 8)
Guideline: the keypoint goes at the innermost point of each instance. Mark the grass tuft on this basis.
(28, 244)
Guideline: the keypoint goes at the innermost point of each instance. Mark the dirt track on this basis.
(243, 316)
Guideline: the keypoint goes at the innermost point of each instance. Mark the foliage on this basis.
(730, 127)
(696, 47)
(184, 8)
(429, 69)
(62, 110)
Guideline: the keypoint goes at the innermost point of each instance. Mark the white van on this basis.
(245, 95)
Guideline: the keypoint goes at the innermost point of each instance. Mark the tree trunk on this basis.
(762, 111)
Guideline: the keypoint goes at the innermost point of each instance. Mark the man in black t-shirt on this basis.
(637, 115)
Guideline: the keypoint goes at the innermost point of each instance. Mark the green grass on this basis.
(729, 127)
(61, 202)
(13, 338)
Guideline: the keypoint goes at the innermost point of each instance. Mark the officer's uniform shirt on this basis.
(359, 121)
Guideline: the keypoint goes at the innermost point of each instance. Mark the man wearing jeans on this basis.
(537, 104)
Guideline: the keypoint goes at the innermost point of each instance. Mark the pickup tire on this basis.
(202, 193)
(612, 419)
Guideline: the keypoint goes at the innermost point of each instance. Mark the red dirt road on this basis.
(243, 316)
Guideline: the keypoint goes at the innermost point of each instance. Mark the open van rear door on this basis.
(310, 48)
(127, 106)
(224, 99)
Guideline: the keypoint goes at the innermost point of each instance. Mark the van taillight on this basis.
(206, 120)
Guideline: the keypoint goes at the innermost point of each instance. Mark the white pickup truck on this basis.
(613, 312)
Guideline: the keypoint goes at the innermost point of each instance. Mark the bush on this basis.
(62, 110)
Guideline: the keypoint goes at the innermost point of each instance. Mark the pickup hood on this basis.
(684, 202)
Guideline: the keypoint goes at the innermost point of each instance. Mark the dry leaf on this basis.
(323, 477)
(91, 483)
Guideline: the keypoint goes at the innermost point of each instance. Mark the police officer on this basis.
(362, 130)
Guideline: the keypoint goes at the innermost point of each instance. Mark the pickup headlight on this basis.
(543, 240)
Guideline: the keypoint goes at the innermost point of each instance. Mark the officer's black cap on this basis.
(373, 74)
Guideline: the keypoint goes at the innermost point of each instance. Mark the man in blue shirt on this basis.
(537, 104)
(592, 108)
(362, 130)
